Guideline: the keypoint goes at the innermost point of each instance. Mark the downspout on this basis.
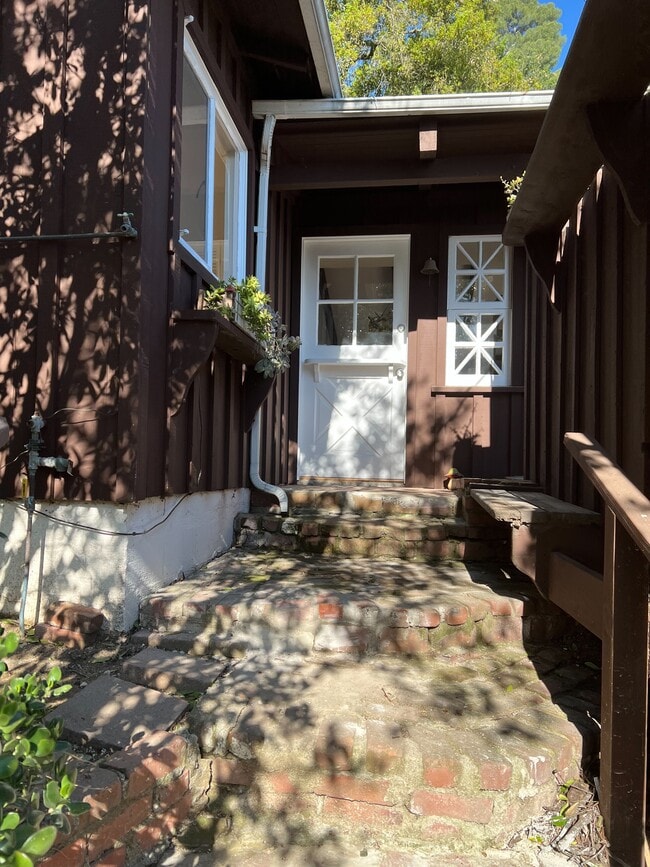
(261, 230)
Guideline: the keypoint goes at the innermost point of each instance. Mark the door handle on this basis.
(401, 328)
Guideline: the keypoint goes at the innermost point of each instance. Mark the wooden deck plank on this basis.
(531, 507)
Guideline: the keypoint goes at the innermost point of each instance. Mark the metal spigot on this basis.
(127, 228)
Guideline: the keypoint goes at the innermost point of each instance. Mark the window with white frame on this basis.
(478, 311)
(213, 174)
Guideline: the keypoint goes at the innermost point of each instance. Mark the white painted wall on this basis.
(91, 565)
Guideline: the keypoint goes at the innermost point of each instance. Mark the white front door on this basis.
(353, 325)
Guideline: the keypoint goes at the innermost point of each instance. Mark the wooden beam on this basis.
(393, 173)
(428, 139)
(577, 590)
(542, 253)
(624, 702)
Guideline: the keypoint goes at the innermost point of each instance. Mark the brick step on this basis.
(375, 501)
(361, 535)
(295, 603)
(428, 756)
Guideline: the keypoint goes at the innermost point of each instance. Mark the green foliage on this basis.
(230, 297)
(35, 782)
(511, 188)
(444, 46)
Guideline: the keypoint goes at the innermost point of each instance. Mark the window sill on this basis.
(453, 390)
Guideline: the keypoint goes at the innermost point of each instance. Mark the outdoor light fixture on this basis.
(429, 268)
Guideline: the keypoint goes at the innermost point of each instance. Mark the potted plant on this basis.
(245, 303)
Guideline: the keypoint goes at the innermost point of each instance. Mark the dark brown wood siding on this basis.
(588, 359)
(89, 129)
(480, 431)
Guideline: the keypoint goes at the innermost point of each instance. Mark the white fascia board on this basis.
(317, 26)
(402, 106)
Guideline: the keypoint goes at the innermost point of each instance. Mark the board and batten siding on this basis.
(88, 130)
(588, 356)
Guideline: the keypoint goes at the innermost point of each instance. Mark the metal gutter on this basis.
(402, 106)
(314, 17)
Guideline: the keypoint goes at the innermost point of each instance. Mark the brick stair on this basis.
(425, 527)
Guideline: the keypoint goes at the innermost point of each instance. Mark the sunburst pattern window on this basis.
(478, 311)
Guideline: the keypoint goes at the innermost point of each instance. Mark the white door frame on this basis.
(376, 373)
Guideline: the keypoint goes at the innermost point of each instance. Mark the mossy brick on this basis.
(70, 615)
(440, 772)
(334, 746)
(168, 794)
(495, 776)
(452, 806)
(232, 772)
(362, 813)
(385, 746)
(456, 615)
(409, 641)
(351, 788)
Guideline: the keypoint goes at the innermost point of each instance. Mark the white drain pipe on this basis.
(261, 230)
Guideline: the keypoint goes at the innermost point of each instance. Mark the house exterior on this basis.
(149, 148)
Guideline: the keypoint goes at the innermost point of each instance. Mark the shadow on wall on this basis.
(71, 127)
(479, 434)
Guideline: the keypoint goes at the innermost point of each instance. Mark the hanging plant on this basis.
(245, 301)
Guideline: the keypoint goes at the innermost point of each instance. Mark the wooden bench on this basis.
(558, 545)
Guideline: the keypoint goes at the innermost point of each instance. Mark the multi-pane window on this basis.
(478, 311)
(213, 174)
(355, 301)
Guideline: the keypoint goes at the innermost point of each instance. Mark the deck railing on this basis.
(624, 711)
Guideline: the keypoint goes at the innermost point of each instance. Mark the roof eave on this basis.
(314, 17)
(402, 106)
(609, 62)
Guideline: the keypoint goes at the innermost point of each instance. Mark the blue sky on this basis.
(571, 10)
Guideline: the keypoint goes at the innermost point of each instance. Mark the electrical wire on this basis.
(101, 532)
(13, 461)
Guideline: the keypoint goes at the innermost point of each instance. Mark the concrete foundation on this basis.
(111, 556)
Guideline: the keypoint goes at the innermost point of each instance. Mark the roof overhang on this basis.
(403, 106)
(594, 117)
(314, 17)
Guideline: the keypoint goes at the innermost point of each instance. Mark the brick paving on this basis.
(387, 713)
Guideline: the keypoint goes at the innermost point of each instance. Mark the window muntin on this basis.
(355, 301)
(478, 311)
(213, 174)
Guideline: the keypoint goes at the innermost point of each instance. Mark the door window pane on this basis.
(376, 277)
(336, 279)
(375, 324)
(335, 324)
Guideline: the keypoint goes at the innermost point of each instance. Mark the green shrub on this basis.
(264, 323)
(35, 781)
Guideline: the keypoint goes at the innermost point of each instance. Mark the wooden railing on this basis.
(624, 633)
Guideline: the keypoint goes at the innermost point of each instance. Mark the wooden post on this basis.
(624, 695)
